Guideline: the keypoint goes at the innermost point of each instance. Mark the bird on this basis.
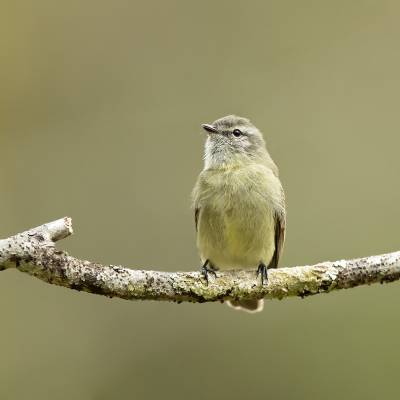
(239, 204)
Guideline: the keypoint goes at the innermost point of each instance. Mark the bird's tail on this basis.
(250, 306)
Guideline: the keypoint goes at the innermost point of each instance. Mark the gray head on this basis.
(233, 140)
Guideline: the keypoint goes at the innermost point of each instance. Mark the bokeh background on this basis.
(101, 104)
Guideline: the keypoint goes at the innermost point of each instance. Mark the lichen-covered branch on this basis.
(34, 253)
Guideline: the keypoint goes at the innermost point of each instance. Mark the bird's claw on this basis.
(207, 269)
(263, 271)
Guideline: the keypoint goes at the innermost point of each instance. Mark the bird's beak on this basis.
(209, 128)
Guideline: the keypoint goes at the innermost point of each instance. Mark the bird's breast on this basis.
(236, 222)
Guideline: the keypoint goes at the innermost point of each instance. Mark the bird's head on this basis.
(233, 140)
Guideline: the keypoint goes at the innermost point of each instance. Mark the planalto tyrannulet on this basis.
(239, 203)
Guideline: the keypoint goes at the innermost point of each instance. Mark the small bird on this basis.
(239, 203)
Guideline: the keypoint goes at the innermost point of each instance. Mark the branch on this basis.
(34, 253)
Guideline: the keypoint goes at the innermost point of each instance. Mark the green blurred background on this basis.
(101, 104)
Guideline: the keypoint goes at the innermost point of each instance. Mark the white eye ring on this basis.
(237, 132)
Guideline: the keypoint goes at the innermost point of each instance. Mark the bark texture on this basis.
(34, 253)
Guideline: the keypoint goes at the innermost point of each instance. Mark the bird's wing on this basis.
(280, 228)
(196, 216)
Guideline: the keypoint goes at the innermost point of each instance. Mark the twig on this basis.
(34, 252)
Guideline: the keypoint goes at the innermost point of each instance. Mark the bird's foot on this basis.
(207, 269)
(263, 271)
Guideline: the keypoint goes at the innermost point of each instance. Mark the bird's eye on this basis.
(237, 132)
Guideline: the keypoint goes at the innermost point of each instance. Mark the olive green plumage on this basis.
(239, 201)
